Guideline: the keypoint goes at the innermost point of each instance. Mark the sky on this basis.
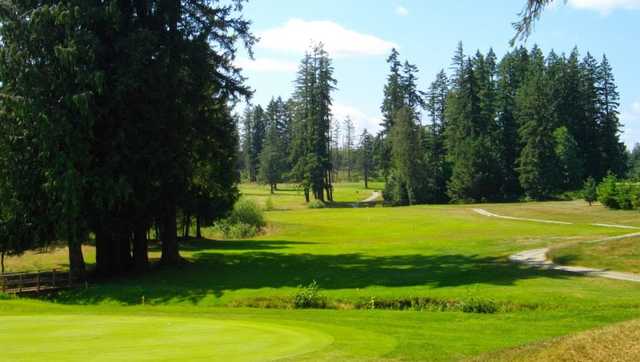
(359, 35)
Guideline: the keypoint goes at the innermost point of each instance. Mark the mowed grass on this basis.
(447, 253)
(618, 255)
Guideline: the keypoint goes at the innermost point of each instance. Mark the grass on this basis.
(440, 254)
(618, 255)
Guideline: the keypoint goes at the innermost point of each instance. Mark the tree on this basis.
(272, 163)
(537, 164)
(311, 146)
(129, 107)
(469, 140)
(634, 163)
(437, 169)
(612, 151)
(590, 190)
(349, 145)
(569, 160)
(531, 13)
(406, 185)
(366, 158)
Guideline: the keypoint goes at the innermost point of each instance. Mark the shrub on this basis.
(625, 196)
(247, 212)
(309, 297)
(483, 306)
(237, 231)
(4, 296)
(608, 192)
(590, 191)
(316, 204)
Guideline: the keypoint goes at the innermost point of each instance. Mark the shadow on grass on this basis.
(225, 266)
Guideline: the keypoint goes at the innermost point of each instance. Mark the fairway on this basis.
(125, 338)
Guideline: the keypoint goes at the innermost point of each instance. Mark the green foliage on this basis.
(608, 192)
(309, 297)
(247, 211)
(234, 230)
(482, 306)
(590, 190)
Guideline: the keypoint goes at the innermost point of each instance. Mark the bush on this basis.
(625, 196)
(483, 306)
(309, 297)
(247, 212)
(237, 231)
(316, 204)
(608, 192)
(4, 296)
(590, 191)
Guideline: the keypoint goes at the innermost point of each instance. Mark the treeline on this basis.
(115, 123)
(299, 141)
(522, 126)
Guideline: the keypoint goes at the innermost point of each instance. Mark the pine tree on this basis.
(512, 71)
(569, 161)
(272, 162)
(366, 156)
(349, 145)
(312, 135)
(612, 151)
(538, 161)
(436, 165)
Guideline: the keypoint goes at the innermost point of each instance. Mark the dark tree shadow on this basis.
(223, 266)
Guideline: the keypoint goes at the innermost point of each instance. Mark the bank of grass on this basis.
(441, 254)
(617, 342)
(618, 255)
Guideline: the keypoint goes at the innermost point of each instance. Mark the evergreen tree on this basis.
(569, 161)
(272, 162)
(612, 151)
(634, 163)
(512, 71)
(312, 164)
(538, 161)
(436, 166)
(406, 180)
(590, 191)
(349, 145)
(366, 158)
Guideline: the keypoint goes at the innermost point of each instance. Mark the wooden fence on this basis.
(17, 283)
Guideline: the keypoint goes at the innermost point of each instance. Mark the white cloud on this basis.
(266, 65)
(296, 36)
(360, 119)
(631, 120)
(605, 6)
(402, 11)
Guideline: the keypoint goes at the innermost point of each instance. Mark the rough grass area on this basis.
(618, 255)
(613, 343)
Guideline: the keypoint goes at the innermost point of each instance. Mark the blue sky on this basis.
(360, 33)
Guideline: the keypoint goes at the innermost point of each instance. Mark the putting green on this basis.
(95, 338)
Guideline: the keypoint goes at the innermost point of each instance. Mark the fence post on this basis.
(4, 283)
(53, 278)
(38, 281)
(20, 283)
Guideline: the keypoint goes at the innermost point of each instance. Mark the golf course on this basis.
(403, 283)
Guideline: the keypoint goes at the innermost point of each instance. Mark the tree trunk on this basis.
(169, 236)
(306, 195)
(366, 178)
(198, 230)
(140, 248)
(272, 189)
(187, 225)
(76, 260)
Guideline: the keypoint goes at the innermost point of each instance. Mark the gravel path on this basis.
(374, 197)
(538, 257)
